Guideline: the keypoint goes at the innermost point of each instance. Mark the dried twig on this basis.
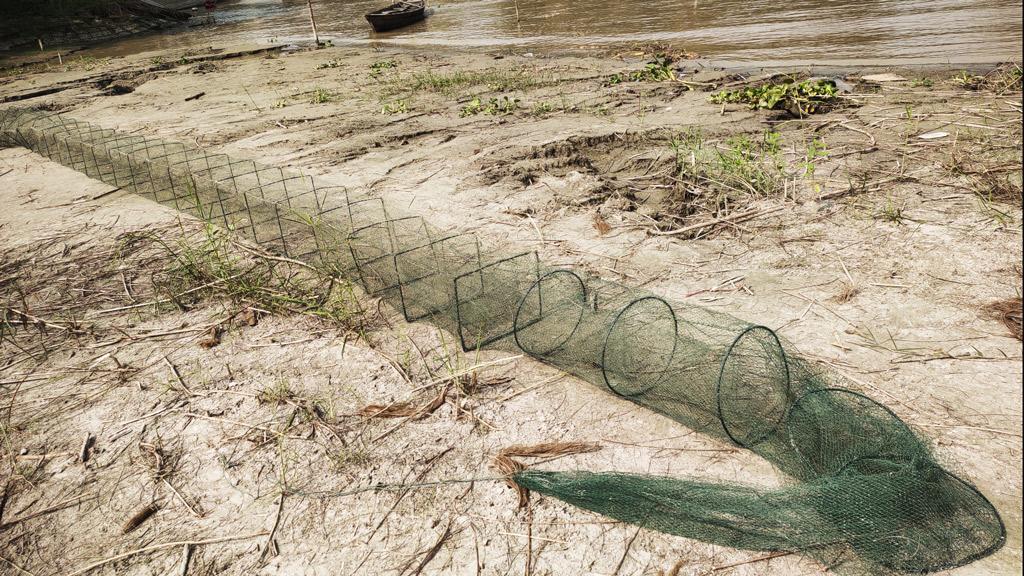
(54, 508)
(745, 562)
(732, 218)
(271, 545)
(186, 556)
(404, 409)
(182, 499)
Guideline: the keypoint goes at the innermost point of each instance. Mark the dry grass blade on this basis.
(404, 409)
(550, 449)
(1009, 312)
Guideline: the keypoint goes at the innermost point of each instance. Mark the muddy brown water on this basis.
(798, 31)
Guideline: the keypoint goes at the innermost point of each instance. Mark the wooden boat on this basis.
(396, 16)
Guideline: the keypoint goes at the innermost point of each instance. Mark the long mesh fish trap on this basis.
(867, 494)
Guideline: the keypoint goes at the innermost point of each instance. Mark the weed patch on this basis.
(449, 84)
(800, 98)
(715, 176)
(207, 265)
(491, 107)
(396, 107)
(328, 64)
(321, 96)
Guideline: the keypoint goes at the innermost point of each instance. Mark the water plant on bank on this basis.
(377, 69)
(657, 70)
(800, 98)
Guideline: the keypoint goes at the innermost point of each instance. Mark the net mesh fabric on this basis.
(866, 495)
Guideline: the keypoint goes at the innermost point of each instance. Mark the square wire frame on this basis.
(426, 273)
(374, 247)
(486, 298)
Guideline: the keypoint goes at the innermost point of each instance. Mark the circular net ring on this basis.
(752, 391)
(568, 282)
(639, 364)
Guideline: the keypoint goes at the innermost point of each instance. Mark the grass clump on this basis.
(207, 264)
(891, 212)
(321, 96)
(449, 84)
(657, 70)
(800, 98)
(715, 176)
(491, 107)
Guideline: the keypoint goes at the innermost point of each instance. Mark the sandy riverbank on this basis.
(875, 252)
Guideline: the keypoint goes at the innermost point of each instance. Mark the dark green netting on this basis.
(867, 495)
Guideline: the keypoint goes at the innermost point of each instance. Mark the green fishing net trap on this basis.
(866, 494)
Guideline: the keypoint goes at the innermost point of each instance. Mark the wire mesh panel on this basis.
(868, 496)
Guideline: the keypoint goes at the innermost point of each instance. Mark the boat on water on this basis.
(396, 16)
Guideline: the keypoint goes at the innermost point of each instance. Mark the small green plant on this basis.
(281, 103)
(657, 70)
(969, 81)
(891, 212)
(800, 98)
(815, 150)
(492, 107)
(378, 68)
(922, 82)
(396, 107)
(542, 108)
(321, 96)
(328, 64)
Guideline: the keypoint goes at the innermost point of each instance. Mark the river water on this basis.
(805, 31)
